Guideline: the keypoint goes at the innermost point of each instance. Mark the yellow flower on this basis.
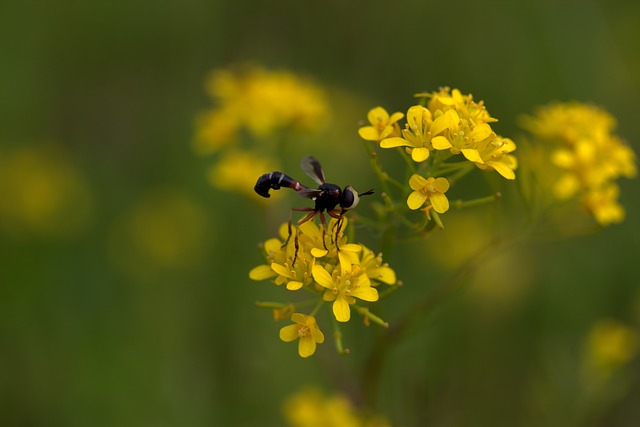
(494, 154)
(342, 287)
(306, 329)
(446, 99)
(428, 190)
(278, 262)
(236, 171)
(374, 269)
(603, 204)
(314, 240)
(382, 125)
(295, 276)
(418, 132)
(462, 136)
(275, 253)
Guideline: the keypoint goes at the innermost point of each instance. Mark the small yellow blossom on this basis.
(603, 204)
(324, 243)
(418, 133)
(494, 153)
(462, 136)
(447, 99)
(610, 345)
(279, 263)
(342, 287)
(428, 190)
(374, 269)
(382, 125)
(306, 329)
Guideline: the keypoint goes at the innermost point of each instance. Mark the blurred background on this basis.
(124, 290)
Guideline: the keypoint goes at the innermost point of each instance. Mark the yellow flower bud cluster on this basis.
(588, 155)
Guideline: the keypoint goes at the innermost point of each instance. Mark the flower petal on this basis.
(480, 132)
(439, 202)
(383, 274)
(365, 293)
(368, 133)
(441, 184)
(262, 272)
(394, 142)
(472, 155)
(502, 169)
(317, 335)
(281, 270)
(416, 199)
(318, 253)
(420, 154)
(301, 318)
(351, 247)
(395, 117)
(417, 182)
(294, 285)
(289, 333)
(322, 277)
(448, 120)
(306, 346)
(377, 115)
(441, 143)
(341, 310)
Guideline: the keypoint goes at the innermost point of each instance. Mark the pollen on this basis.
(303, 331)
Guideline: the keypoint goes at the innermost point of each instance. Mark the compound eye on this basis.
(350, 198)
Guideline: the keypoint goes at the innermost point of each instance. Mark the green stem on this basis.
(317, 308)
(476, 202)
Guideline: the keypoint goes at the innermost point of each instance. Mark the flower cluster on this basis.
(253, 108)
(311, 408)
(332, 269)
(450, 121)
(588, 156)
(441, 126)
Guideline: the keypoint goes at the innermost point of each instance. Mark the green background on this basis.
(85, 341)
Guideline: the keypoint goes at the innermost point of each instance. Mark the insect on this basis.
(327, 197)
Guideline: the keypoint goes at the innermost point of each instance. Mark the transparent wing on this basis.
(309, 193)
(312, 168)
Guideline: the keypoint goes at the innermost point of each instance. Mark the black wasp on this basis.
(327, 197)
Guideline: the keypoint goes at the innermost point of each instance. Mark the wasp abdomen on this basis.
(275, 180)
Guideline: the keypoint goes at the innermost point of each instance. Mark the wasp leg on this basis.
(289, 223)
(324, 228)
(337, 227)
(311, 214)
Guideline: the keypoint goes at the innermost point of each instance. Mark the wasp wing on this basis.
(312, 168)
(309, 193)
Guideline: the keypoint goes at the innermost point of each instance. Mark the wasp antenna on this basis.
(367, 193)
